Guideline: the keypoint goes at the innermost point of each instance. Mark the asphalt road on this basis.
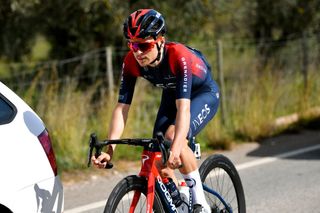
(281, 174)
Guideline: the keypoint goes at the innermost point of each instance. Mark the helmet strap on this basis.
(159, 53)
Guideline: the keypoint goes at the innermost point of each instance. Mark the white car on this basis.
(28, 171)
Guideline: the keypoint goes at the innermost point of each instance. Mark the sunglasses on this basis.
(142, 46)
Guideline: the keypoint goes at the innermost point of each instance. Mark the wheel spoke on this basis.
(220, 175)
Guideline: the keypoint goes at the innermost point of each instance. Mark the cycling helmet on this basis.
(144, 23)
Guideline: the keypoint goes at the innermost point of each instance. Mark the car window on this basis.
(7, 110)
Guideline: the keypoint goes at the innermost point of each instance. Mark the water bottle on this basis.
(185, 197)
(173, 190)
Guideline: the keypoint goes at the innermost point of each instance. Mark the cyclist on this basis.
(190, 96)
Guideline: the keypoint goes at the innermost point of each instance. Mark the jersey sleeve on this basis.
(128, 80)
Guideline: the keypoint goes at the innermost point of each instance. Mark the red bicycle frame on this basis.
(148, 170)
(150, 158)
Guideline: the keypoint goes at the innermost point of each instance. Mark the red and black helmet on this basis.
(144, 23)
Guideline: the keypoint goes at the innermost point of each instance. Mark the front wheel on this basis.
(122, 195)
(219, 174)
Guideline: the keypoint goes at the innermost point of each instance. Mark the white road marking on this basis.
(239, 167)
(87, 207)
(266, 160)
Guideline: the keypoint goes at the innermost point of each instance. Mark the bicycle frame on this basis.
(211, 191)
(151, 157)
(154, 153)
(149, 161)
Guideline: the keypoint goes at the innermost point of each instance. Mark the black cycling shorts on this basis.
(204, 106)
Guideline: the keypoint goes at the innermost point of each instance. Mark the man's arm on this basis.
(118, 122)
(181, 129)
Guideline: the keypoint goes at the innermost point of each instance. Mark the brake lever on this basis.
(91, 146)
(164, 147)
(93, 143)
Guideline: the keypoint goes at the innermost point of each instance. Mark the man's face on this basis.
(145, 51)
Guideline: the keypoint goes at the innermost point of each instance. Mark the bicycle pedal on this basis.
(197, 151)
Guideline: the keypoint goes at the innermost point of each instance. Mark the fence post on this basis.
(221, 81)
(109, 70)
(305, 59)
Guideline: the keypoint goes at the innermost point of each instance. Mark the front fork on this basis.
(150, 172)
(150, 196)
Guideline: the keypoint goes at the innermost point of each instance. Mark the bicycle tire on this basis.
(124, 190)
(219, 174)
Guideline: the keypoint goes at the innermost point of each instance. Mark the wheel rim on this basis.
(219, 180)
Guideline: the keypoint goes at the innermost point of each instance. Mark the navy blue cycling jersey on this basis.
(182, 69)
(182, 73)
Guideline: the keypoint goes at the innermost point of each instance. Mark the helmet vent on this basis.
(155, 27)
(147, 23)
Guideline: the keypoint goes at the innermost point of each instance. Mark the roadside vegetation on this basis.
(254, 106)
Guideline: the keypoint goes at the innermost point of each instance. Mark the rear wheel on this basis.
(219, 174)
(122, 195)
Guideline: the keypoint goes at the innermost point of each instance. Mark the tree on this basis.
(279, 21)
(17, 29)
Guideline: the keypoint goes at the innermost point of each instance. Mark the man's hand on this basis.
(174, 161)
(101, 161)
